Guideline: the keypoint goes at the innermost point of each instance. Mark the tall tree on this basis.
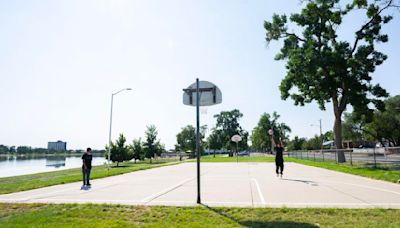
(119, 152)
(228, 126)
(186, 139)
(323, 68)
(152, 145)
(328, 136)
(24, 149)
(313, 143)
(214, 140)
(4, 149)
(353, 128)
(296, 144)
(244, 145)
(385, 125)
(260, 139)
(137, 149)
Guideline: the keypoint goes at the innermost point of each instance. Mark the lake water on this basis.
(14, 166)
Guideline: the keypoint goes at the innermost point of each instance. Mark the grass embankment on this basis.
(39, 180)
(379, 173)
(90, 215)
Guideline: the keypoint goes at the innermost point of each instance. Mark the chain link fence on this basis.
(384, 156)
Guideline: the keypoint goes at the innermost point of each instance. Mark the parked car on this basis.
(243, 153)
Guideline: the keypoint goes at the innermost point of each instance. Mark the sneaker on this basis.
(281, 175)
(277, 175)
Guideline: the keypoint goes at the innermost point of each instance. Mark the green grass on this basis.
(90, 215)
(379, 173)
(39, 180)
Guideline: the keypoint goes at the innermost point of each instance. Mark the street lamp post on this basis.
(109, 135)
(318, 125)
(320, 134)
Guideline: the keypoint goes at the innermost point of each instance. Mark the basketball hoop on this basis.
(200, 94)
(209, 94)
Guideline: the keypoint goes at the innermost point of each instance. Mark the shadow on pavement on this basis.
(312, 183)
(85, 188)
(260, 223)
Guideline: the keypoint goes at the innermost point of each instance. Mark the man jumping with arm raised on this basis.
(278, 154)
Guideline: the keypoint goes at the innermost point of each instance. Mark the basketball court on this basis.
(225, 184)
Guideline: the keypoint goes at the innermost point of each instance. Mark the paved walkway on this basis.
(225, 184)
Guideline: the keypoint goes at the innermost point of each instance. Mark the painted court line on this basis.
(165, 191)
(364, 186)
(259, 190)
(40, 195)
(88, 201)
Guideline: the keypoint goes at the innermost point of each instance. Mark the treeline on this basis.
(31, 150)
(261, 140)
(360, 130)
(121, 151)
(314, 143)
(382, 126)
(227, 125)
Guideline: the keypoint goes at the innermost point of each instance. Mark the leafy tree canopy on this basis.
(296, 144)
(119, 152)
(137, 149)
(214, 140)
(260, 139)
(186, 139)
(152, 145)
(384, 127)
(227, 126)
(323, 68)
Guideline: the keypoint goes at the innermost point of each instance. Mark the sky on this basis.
(60, 61)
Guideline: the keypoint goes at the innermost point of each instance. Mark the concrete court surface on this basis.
(225, 184)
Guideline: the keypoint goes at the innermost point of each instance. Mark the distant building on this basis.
(58, 146)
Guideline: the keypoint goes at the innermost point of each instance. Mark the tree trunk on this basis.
(214, 153)
(117, 163)
(337, 129)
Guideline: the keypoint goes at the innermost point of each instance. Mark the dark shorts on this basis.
(279, 162)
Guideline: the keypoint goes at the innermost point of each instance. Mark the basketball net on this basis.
(203, 110)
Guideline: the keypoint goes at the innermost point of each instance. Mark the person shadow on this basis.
(85, 188)
(258, 222)
(312, 183)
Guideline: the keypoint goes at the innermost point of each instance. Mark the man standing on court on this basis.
(278, 154)
(86, 166)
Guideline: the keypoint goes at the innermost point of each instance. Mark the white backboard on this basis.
(210, 94)
(236, 138)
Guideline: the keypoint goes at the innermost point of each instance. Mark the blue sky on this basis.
(61, 60)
